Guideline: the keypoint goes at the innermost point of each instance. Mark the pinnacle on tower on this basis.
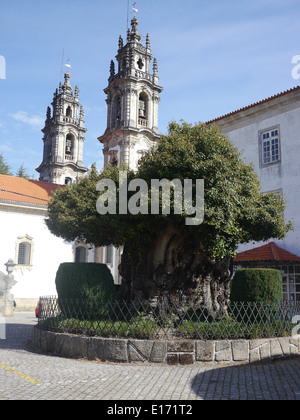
(112, 69)
(66, 86)
(135, 35)
(155, 67)
(121, 42)
(147, 41)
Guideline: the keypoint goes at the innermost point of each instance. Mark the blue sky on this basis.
(213, 57)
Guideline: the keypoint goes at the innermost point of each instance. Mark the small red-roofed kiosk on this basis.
(272, 256)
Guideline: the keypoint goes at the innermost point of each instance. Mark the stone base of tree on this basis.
(184, 352)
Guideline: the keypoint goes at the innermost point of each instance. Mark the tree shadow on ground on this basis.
(277, 380)
(17, 336)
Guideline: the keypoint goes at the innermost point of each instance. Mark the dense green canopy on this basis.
(235, 209)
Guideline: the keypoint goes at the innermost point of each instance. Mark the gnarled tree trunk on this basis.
(171, 274)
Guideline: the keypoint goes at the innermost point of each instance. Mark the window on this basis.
(113, 158)
(69, 143)
(140, 64)
(270, 146)
(143, 106)
(109, 254)
(68, 181)
(117, 110)
(80, 254)
(69, 112)
(291, 282)
(24, 253)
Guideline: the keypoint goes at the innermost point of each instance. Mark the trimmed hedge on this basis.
(257, 285)
(89, 283)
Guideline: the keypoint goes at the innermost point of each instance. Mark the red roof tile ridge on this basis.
(268, 252)
(275, 251)
(17, 189)
(34, 181)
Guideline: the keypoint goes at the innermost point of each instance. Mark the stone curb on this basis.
(184, 352)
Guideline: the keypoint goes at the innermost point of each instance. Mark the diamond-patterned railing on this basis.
(144, 320)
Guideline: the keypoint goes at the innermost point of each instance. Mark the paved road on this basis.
(25, 375)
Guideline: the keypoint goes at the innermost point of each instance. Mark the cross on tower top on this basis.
(135, 10)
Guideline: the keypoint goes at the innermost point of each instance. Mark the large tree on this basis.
(164, 259)
(5, 169)
(22, 173)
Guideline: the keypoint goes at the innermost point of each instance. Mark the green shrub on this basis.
(257, 285)
(263, 288)
(85, 291)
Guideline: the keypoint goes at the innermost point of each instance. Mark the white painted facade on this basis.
(23, 222)
(245, 128)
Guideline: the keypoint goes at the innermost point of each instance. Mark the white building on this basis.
(267, 134)
(26, 239)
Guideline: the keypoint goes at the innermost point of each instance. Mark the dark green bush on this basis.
(260, 286)
(90, 287)
(257, 285)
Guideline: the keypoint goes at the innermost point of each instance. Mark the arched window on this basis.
(143, 106)
(69, 144)
(113, 158)
(68, 181)
(24, 252)
(80, 254)
(117, 110)
(69, 112)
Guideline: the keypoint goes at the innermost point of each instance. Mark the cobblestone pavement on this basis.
(25, 375)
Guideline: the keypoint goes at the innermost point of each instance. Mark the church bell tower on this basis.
(64, 133)
(133, 95)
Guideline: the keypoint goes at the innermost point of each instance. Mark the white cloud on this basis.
(34, 121)
(5, 148)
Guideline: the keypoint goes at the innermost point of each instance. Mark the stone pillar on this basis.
(125, 151)
(6, 284)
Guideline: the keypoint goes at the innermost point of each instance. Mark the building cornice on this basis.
(19, 207)
(271, 106)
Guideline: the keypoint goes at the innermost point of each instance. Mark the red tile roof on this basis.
(295, 89)
(21, 190)
(269, 252)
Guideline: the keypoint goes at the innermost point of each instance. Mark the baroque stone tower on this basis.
(63, 137)
(132, 102)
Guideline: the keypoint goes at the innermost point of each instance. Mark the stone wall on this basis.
(170, 352)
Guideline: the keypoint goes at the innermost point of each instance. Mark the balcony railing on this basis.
(143, 123)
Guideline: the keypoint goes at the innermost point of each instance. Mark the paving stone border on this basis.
(184, 352)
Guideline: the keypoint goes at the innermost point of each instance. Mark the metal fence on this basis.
(143, 320)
